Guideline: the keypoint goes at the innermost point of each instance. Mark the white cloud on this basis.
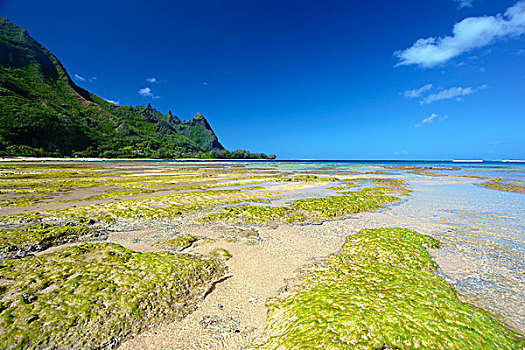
(430, 120)
(470, 33)
(403, 152)
(453, 92)
(78, 77)
(205, 84)
(152, 80)
(417, 92)
(146, 92)
(464, 3)
(81, 78)
(427, 120)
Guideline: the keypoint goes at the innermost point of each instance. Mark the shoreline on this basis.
(94, 159)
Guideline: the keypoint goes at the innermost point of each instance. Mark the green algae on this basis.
(379, 292)
(51, 181)
(142, 181)
(56, 180)
(179, 203)
(396, 185)
(177, 243)
(21, 241)
(96, 295)
(381, 191)
(344, 186)
(338, 206)
(245, 233)
(501, 184)
(242, 234)
(300, 210)
(382, 186)
(220, 253)
(166, 206)
(44, 184)
(115, 194)
(154, 208)
(25, 201)
(254, 214)
(305, 178)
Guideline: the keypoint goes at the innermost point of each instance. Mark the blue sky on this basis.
(354, 79)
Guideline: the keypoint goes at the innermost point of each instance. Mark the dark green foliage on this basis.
(43, 112)
(238, 154)
(200, 131)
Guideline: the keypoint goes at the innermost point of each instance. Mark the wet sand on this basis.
(236, 308)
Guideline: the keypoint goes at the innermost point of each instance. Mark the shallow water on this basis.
(482, 230)
(483, 235)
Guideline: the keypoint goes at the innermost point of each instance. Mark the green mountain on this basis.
(43, 112)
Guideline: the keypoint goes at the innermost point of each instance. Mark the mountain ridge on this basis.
(44, 112)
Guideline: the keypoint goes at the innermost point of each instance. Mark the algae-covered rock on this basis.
(242, 234)
(396, 185)
(220, 253)
(381, 186)
(22, 241)
(344, 185)
(306, 178)
(254, 214)
(162, 207)
(337, 206)
(312, 208)
(95, 295)
(379, 292)
(502, 184)
(178, 243)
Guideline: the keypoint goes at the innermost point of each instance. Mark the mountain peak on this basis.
(200, 120)
(173, 119)
(54, 115)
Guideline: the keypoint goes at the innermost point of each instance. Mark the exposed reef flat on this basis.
(504, 185)
(96, 295)
(19, 242)
(379, 292)
(194, 254)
